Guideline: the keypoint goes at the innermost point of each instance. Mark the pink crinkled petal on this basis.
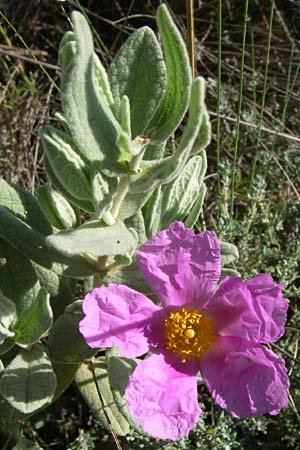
(244, 378)
(254, 310)
(119, 316)
(182, 268)
(162, 396)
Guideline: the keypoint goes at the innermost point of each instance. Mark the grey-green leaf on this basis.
(35, 321)
(104, 408)
(18, 279)
(175, 101)
(154, 173)
(31, 244)
(70, 169)
(138, 71)
(103, 190)
(24, 206)
(119, 371)
(28, 382)
(56, 208)
(175, 199)
(94, 239)
(229, 253)
(86, 205)
(66, 344)
(94, 129)
(197, 208)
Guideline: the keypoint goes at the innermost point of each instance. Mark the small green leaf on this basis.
(66, 344)
(24, 206)
(197, 208)
(28, 382)
(104, 408)
(18, 279)
(138, 71)
(86, 205)
(225, 272)
(229, 253)
(70, 170)
(103, 189)
(65, 374)
(175, 101)
(132, 204)
(204, 135)
(119, 371)
(36, 321)
(56, 208)
(67, 49)
(101, 76)
(95, 239)
(137, 223)
(175, 199)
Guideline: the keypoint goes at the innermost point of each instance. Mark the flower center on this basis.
(189, 333)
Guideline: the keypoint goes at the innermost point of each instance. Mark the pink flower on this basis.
(221, 333)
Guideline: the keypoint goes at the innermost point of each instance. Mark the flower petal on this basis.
(182, 268)
(162, 396)
(254, 310)
(119, 316)
(246, 379)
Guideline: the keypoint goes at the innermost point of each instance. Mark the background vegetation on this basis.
(253, 183)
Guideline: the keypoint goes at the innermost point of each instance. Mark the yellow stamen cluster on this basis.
(188, 333)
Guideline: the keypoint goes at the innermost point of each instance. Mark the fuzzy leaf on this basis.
(28, 382)
(197, 208)
(86, 205)
(31, 244)
(70, 169)
(103, 189)
(174, 200)
(119, 371)
(138, 71)
(154, 173)
(24, 206)
(229, 253)
(95, 239)
(18, 279)
(36, 321)
(106, 406)
(175, 101)
(66, 344)
(56, 208)
(93, 127)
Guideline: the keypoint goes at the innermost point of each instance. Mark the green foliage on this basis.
(94, 239)
(56, 208)
(138, 71)
(66, 345)
(94, 386)
(28, 382)
(34, 322)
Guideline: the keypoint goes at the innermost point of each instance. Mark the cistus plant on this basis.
(116, 178)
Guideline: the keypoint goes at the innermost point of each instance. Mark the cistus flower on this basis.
(219, 332)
